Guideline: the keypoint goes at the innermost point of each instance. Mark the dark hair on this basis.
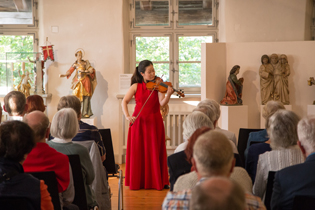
(70, 101)
(35, 102)
(192, 140)
(137, 77)
(233, 70)
(262, 58)
(19, 100)
(16, 140)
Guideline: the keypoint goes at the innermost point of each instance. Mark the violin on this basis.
(159, 85)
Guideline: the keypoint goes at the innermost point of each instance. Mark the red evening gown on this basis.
(146, 166)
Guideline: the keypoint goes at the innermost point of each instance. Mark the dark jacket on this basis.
(177, 165)
(292, 181)
(20, 185)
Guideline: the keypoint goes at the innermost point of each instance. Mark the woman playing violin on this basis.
(146, 166)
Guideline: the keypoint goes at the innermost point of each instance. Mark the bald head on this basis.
(213, 155)
(218, 193)
(39, 123)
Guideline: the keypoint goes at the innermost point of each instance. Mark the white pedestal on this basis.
(90, 121)
(263, 121)
(310, 109)
(233, 118)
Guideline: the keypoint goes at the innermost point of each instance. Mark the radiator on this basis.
(173, 124)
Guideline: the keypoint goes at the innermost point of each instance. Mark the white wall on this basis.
(265, 20)
(97, 27)
(247, 55)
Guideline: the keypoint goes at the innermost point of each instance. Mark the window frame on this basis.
(25, 26)
(173, 31)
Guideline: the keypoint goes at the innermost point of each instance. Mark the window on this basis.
(14, 51)
(170, 33)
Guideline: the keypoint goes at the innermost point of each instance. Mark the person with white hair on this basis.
(218, 193)
(212, 157)
(192, 122)
(210, 112)
(298, 179)
(215, 106)
(285, 152)
(64, 127)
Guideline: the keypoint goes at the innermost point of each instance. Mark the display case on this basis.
(15, 67)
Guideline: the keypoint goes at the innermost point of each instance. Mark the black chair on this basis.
(303, 202)
(242, 141)
(9, 203)
(78, 182)
(269, 188)
(50, 180)
(109, 163)
(238, 161)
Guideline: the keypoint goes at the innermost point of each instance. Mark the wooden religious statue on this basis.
(83, 83)
(234, 88)
(311, 82)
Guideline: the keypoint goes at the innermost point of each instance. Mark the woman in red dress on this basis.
(146, 166)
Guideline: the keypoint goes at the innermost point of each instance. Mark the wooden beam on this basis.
(146, 5)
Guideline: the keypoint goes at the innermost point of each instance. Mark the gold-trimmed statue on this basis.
(83, 83)
(24, 86)
(311, 82)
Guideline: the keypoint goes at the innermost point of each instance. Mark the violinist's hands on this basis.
(62, 75)
(131, 119)
(170, 91)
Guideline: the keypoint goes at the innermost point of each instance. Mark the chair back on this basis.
(269, 188)
(50, 180)
(238, 161)
(242, 141)
(109, 163)
(78, 182)
(303, 202)
(9, 203)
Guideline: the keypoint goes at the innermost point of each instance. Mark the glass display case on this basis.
(15, 67)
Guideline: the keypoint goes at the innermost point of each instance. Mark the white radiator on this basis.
(173, 124)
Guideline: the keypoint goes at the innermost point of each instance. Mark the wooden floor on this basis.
(136, 199)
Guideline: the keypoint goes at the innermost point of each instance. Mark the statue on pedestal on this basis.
(234, 88)
(24, 86)
(311, 82)
(266, 80)
(83, 83)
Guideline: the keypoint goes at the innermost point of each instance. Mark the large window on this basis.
(170, 33)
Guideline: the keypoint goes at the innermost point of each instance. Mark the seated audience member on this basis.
(192, 122)
(177, 162)
(189, 180)
(64, 127)
(261, 136)
(298, 179)
(86, 131)
(215, 106)
(35, 102)
(285, 152)
(15, 105)
(255, 150)
(16, 141)
(210, 112)
(218, 193)
(44, 158)
(212, 157)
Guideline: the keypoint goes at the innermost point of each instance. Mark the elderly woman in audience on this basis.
(285, 152)
(17, 141)
(215, 106)
(64, 127)
(261, 136)
(192, 122)
(35, 102)
(177, 162)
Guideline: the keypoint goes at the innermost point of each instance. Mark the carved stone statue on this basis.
(281, 84)
(83, 83)
(274, 83)
(234, 87)
(311, 82)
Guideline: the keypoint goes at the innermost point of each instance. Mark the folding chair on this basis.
(269, 188)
